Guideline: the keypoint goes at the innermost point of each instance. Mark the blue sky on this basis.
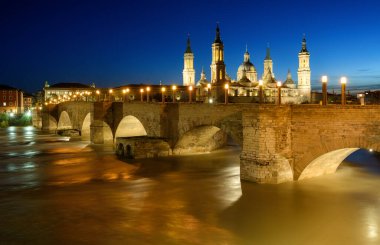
(117, 42)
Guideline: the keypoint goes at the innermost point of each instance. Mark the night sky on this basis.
(112, 43)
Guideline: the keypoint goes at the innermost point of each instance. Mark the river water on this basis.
(55, 191)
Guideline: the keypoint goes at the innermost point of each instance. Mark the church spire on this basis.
(267, 57)
(217, 35)
(304, 49)
(289, 76)
(188, 48)
(246, 54)
(203, 74)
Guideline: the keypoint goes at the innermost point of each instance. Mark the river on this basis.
(55, 191)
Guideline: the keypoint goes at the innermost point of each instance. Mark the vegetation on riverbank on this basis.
(15, 120)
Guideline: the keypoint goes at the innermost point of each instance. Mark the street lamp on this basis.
(261, 91)
(226, 86)
(110, 94)
(190, 92)
(343, 81)
(324, 90)
(124, 92)
(173, 89)
(208, 92)
(279, 92)
(141, 94)
(127, 93)
(147, 94)
(163, 89)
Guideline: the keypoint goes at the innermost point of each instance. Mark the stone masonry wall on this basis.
(267, 144)
(317, 130)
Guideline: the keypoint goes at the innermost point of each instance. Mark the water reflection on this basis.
(73, 192)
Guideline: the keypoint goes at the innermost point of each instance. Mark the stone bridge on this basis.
(279, 143)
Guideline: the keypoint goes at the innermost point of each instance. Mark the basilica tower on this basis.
(304, 73)
(268, 75)
(188, 67)
(218, 68)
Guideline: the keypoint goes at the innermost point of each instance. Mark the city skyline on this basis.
(128, 42)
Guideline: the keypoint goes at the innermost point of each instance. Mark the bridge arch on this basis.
(85, 129)
(326, 163)
(130, 126)
(201, 139)
(64, 121)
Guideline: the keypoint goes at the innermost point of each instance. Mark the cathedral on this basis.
(246, 87)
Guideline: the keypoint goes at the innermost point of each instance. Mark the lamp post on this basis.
(147, 94)
(124, 94)
(141, 94)
(110, 94)
(127, 92)
(261, 91)
(208, 92)
(279, 92)
(98, 94)
(324, 90)
(343, 82)
(163, 89)
(190, 92)
(174, 89)
(226, 86)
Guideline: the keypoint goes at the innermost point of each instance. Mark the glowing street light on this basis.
(147, 93)
(98, 93)
(190, 92)
(174, 89)
(261, 91)
(163, 89)
(324, 90)
(209, 92)
(279, 84)
(141, 94)
(226, 87)
(110, 94)
(125, 93)
(343, 81)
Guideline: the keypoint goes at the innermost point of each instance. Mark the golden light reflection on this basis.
(371, 222)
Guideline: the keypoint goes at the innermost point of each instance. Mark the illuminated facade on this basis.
(304, 72)
(61, 92)
(11, 100)
(246, 87)
(218, 68)
(188, 67)
(247, 68)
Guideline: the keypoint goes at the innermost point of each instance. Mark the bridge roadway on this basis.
(279, 143)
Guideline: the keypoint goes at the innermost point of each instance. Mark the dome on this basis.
(247, 66)
(203, 81)
(289, 80)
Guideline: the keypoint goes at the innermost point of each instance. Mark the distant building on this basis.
(28, 101)
(144, 92)
(61, 92)
(11, 100)
(188, 67)
(246, 87)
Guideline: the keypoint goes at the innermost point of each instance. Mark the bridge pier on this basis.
(266, 145)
